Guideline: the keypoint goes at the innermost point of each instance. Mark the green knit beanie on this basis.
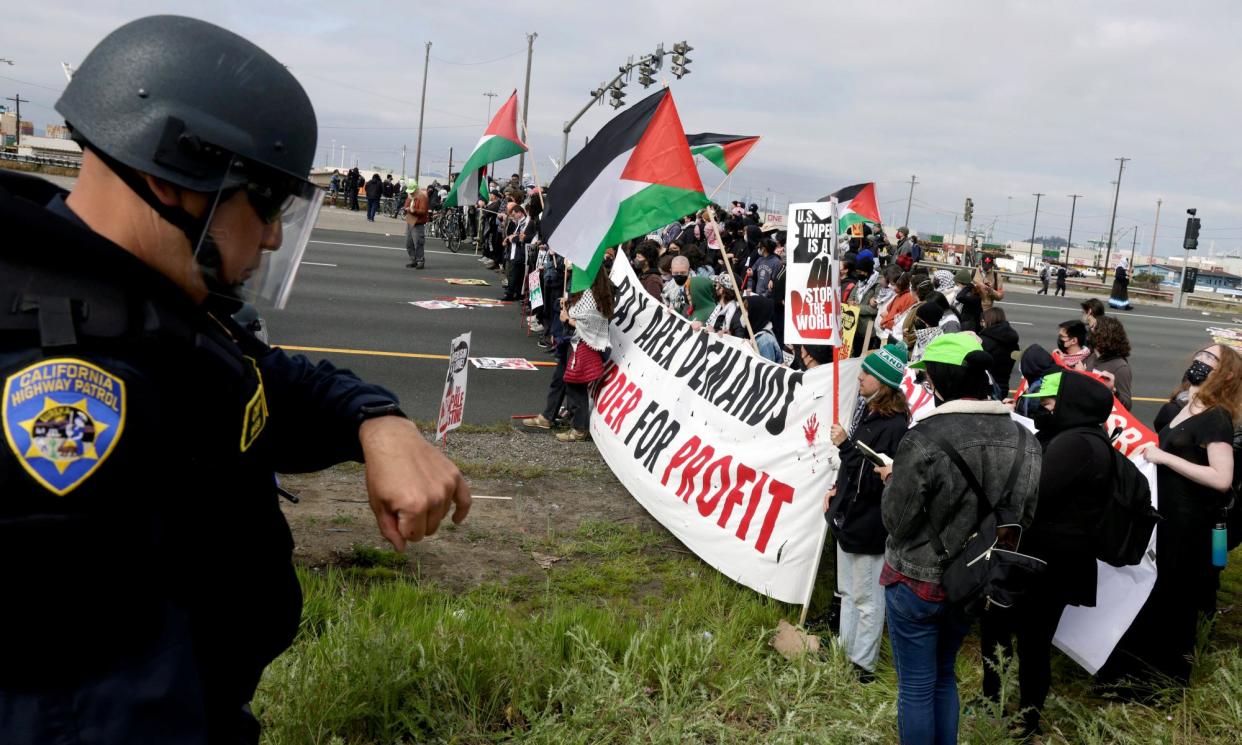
(887, 364)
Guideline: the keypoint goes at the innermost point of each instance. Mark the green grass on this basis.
(627, 640)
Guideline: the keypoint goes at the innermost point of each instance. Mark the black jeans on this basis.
(1034, 623)
(579, 405)
(556, 391)
(1060, 289)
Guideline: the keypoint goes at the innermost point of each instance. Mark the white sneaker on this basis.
(536, 328)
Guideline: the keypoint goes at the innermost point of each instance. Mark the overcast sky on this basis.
(989, 99)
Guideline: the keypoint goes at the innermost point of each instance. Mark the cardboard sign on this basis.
(453, 402)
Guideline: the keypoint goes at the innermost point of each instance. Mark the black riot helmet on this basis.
(202, 108)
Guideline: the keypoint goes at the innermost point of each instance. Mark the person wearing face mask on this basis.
(676, 295)
(1074, 482)
(968, 302)
(1072, 341)
(926, 495)
(725, 318)
(863, 294)
(1194, 471)
(881, 418)
(1092, 311)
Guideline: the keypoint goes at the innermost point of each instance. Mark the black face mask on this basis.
(681, 279)
(1061, 345)
(608, 264)
(1043, 419)
(1198, 372)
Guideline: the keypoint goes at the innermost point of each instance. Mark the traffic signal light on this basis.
(1191, 241)
(681, 63)
(970, 209)
(617, 92)
(646, 72)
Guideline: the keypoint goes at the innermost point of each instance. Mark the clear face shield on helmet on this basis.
(257, 231)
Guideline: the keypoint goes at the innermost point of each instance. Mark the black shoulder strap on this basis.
(972, 482)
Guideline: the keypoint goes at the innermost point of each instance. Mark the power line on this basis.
(480, 62)
(36, 85)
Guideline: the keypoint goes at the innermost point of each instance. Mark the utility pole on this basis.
(403, 166)
(490, 95)
(1152, 259)
(1030, 254)
(1133, 246)
(1069, 242)
(18, 100)
(530, 51)
(450, 168)
(422, 107)
(1113, 222)
(910, 200)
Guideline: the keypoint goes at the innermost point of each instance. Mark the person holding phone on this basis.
(880, 421)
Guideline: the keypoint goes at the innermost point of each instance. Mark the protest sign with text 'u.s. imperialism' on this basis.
(728, 451)
(811, 275)
(453, 402)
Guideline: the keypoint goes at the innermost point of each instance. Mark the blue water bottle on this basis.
(1220, 549)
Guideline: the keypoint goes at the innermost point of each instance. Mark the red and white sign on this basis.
(453, 402)
(812, 309)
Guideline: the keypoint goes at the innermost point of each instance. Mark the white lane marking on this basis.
(318, 263)
(392, 248)
(1118, 314)
(1022, 323)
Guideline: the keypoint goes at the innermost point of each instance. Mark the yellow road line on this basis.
(378, 353)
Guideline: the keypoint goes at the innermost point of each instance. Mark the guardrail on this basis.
(42, 160)
(1085, 285)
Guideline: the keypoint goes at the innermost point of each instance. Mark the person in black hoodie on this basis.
(880, 421)
(1001, 341)
(1036, 362)
(1074, 483)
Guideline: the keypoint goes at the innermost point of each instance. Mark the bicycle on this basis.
(447, 226)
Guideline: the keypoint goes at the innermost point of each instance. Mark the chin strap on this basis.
(204, 249)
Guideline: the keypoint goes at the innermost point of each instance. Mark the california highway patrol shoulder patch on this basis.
(63, 418)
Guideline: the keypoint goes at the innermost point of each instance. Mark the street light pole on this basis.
(1133, 246)
(490, 95)
(422, 108)
(1030, 254)
(530, 51)
(1152, 259)
(1113, 222)
(1069, 242)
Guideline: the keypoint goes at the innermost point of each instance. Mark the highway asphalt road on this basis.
(353, 292)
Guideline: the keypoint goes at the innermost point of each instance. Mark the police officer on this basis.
(144, 560)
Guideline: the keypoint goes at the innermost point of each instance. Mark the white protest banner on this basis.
(536, 290)
(728, 451)
(453, 402)
(811, 275)
(774, 219)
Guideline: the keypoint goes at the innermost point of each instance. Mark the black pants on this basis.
(1060, 288)
(517, 268)
(1043, 291)
(579, 405)
(1033, 623)
(556, 391)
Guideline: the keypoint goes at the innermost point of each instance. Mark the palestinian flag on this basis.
(500, 141)
(636, 175)
(857, 205)
(725, 151)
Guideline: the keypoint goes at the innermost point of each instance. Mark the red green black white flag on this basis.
(499, 141)
(857, 205)
(724, 151)
(635, 175)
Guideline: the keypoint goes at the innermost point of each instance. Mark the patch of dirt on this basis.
(554, 486)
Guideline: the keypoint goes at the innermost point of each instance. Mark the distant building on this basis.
(1209, 280)
(50, 147)
(9, 127)
(56, 131)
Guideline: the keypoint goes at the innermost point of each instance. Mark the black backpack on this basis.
(1124, 530)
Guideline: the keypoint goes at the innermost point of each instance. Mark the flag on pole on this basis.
(498, 142)
(724, 151)
(856, 204)
(636, 175)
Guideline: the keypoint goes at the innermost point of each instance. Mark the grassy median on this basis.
(627, 639)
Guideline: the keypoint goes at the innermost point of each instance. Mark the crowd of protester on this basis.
(951, 331)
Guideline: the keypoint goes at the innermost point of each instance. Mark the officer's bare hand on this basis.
(410, 484)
